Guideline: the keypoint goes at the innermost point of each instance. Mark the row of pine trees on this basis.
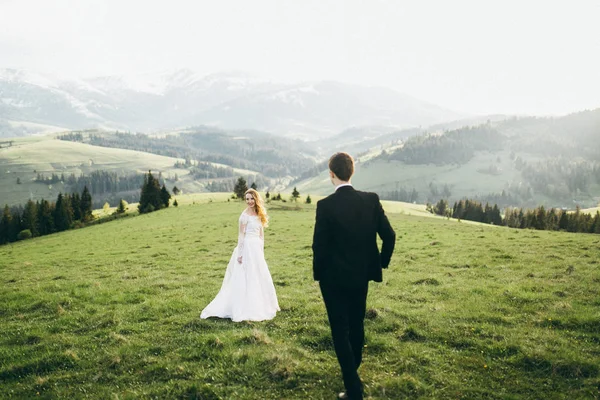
(538, 218)
(43, 217)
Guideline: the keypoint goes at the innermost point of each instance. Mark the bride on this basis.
(247, 292)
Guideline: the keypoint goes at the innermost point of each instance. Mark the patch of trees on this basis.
(474, 211)
(452, 147)
(206, 170)
(273, 156)
(559, 178)
(552, 220)
(225, 185)
(490, 170)
(49, 180)
(43, 218)
(402, 194)
(153, 197)
(538, 218)
(98, 182)
(514, 194)
(574, 135)
(106, 182)
(71, 137)
(165, 146)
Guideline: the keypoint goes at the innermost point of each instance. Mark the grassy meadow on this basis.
(466, 311)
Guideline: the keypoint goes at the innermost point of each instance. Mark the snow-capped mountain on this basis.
(174, 99)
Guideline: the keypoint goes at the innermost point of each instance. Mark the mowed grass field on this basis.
(466, 311)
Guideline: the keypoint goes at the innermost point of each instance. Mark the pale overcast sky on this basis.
(478, 56)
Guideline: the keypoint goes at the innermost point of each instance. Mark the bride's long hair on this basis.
(259, 207)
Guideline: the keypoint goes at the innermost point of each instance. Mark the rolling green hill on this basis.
(465, 311)
(28, 157)
(523, 162)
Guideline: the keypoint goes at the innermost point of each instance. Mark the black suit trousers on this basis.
(346, 309)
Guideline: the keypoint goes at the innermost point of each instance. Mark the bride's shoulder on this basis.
(244, 215)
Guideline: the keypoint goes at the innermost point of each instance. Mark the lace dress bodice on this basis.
(249, 228)
(250, 225)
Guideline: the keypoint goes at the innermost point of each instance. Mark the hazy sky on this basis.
(479, 56)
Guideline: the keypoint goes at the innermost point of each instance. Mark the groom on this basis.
(345, 259)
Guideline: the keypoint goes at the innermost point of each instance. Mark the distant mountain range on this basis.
(182, 98)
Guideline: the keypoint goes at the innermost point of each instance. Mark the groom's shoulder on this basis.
(325, 200)
(369, 195)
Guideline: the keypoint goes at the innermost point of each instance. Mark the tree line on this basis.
(71, 210)
(401, 194)
(274, 156)
(98, 182)
(43, 217)
(558, 177)
(538, 218)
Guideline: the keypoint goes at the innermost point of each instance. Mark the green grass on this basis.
(465, 311)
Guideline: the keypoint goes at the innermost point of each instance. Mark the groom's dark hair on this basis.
(342, 165)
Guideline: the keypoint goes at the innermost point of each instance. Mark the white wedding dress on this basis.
(247, 292)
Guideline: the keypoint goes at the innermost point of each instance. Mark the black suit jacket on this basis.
(344, 246)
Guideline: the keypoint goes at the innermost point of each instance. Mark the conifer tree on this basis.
(240, 188)
(76, 206)
(540, 218)
(7, 233)
(253, 186)
(45, 220)
(150, 198)
(86, 205)
(295, 194)
(122, 208)
(522, 222)
(596, 223)
(441, 208)
(29, 218)
(62, 215)
(165, 196)
(496, 216)
(308, 199)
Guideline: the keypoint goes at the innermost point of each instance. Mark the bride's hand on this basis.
(239, 259)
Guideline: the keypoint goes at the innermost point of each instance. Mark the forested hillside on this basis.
(272, 156)
(511, 162)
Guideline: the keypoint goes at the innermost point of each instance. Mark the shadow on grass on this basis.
(543, 367)
(41, 366)
(411, 335)
(586, 325)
